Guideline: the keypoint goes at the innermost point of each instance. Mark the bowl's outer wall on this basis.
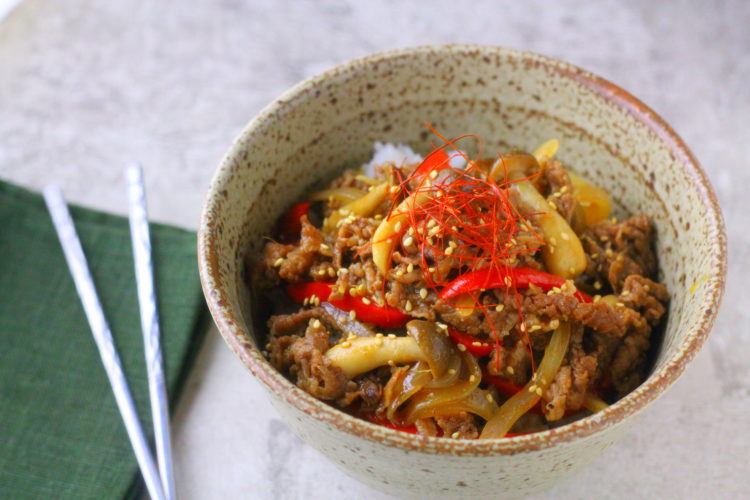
(509, 99)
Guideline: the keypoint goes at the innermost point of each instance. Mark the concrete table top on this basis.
(87, 86)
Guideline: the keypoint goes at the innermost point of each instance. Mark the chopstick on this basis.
(144, 273)
(78, 266)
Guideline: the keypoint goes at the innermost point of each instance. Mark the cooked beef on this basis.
(618, 250)
(610, 335)
(560, 189)
(458, 426)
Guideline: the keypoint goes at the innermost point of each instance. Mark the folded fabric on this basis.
(61, 435)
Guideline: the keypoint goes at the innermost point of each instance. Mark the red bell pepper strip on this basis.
(290, 225)
(437, 159)
(382, 316)
(473, 345)
(520, 277)
(411, 429)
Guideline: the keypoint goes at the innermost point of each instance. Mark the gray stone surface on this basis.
(86, 86)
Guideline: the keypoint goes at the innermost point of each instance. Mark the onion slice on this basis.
(526, 398)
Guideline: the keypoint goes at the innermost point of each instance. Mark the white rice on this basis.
(401, 154)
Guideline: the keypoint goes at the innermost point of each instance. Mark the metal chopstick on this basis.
(144, 273)
(78, 266)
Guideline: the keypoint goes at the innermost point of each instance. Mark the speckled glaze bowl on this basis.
(510, 99)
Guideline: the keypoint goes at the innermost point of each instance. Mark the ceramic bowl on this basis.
(510, 99)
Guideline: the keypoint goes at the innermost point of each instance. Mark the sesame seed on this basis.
(431, 241)
(553, 240)
(522, 327)
(408, 305)
(379, 342)
(353, 291)
(423, 293)
(316, 323)
(594, 255)
(604, 238)
(434, 174)
(331, 272)
(397, 227)
(455, 435)
(408, 241)
(449, 251)
(432, 223)
(538, 391)
(410, 268)
(597, 285)
(510, 370)
(508, 281)
(557, 194)
(499, 307)
(399, 272)
(551, 249)
(452, 244)
(564, 189)
(378, 217)
(442, 326)
(477, 344)
(306, 301)
(597, 298)
(488, 397)
(393, 189)
(366, 300)
(620, 304)
(322, 271)
(278, 262)
(411, 230)
(379, 335)
(646, 288)
(565, 236)
(352, 315)
(391, 336)
(461, 347)
(532, 388)
(342, 289)
(535, 328)
(552, 205)
(431, 269)
(452, 371)
(346, 344)
(343, 270)
(391, 362)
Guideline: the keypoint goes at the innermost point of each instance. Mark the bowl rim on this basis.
(657, 382)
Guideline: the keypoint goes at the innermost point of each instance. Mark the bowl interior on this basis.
(509, 99)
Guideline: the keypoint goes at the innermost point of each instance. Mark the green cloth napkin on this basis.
(61, 435)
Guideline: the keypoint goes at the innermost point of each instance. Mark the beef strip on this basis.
(303, 358)
(458, 426)
(560, 189)
(618, 250)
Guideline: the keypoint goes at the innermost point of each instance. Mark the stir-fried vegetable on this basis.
(342, 194)
(507, 277)
(546, 151)
(594, 403)
(361, 207)
(290, 224)
(471, 343)
(593, 202)
(369, 312)
(563, 253)
(361, 354)
(523, 401)
(391, 228)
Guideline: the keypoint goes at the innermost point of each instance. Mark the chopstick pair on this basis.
(160, 484)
